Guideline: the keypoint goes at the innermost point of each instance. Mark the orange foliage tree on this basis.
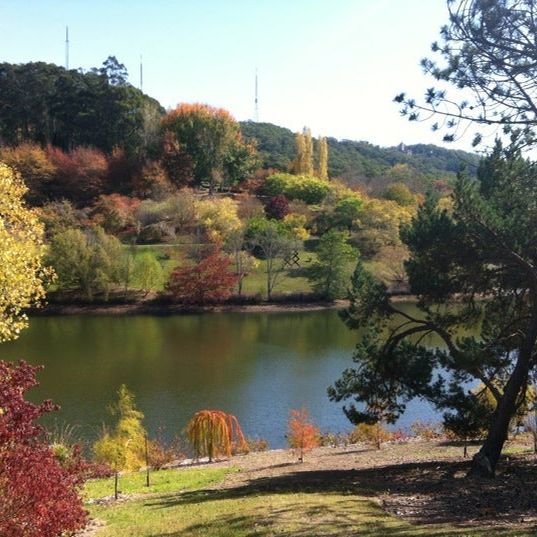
(214, 434)
(302, 434)
(205, 282)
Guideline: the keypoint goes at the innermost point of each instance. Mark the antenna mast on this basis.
(67, 47)
(141, 74)
(256, 100)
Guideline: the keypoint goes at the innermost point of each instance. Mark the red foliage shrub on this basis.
(206, 282)
(277, 207)
(38, 495)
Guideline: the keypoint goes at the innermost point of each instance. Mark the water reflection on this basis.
(255, 365)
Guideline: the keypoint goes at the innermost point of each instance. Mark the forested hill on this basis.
(362, 163)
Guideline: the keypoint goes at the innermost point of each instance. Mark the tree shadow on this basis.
(431, 493)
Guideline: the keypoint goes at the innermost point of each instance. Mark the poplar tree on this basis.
(322, 171)
(308, 152)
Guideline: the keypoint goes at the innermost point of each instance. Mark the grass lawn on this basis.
(291, 280)
(161, 481)
(219, 514)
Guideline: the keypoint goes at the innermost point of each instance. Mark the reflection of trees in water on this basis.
(176, 365)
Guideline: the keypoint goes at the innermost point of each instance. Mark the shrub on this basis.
(277, 207)
(213, 433)
(426, 430)
(306, 188)
(38, 495)
(302, 434)
(368, 433)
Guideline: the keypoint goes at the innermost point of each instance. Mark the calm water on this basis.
(254, 365)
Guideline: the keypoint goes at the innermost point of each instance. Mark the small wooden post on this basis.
(146, 464)
(115, 484)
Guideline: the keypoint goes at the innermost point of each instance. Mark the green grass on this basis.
(161, 481)
(291, 280)
(220, 514)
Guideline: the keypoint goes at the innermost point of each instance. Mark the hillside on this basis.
(364, 164)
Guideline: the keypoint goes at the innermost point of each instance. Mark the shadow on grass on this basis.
(429, 493)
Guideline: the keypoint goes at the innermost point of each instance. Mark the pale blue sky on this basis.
(332, 65)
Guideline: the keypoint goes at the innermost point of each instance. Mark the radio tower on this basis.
(256, 101)
(67, 47)
(141, 74)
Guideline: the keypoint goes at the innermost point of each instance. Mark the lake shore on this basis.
(151, 307)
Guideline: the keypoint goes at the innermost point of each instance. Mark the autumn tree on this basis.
(484, 54)
(485, 247)
(302, 434)
(213, 434)
(21, 253)
(205, 282)
(177, 163)
(303, 164)
(211, 138)
(81, 174)
(322, 170)
(36, 169)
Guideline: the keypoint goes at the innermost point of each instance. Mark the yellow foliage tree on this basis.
(308, 152)
(21, 253)
(219, 218)
(322, 171)
(124, 448)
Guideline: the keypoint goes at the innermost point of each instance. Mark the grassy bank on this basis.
(337, 492)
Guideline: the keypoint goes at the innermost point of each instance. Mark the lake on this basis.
(257, 366)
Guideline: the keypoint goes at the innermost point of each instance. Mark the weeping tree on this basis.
(473, 268)
(213, 434)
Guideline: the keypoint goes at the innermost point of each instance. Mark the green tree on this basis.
(486, 247)
(399, 193)
(485, 53)
(90, 261)
(330, 274)
(273, 241)
(147, 272)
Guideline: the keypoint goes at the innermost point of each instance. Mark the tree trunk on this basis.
(485, 460)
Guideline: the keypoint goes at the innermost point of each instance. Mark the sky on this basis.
(331, 65)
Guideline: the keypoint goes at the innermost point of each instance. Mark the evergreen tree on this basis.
(486, 248)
